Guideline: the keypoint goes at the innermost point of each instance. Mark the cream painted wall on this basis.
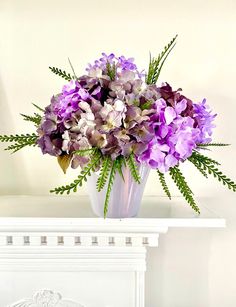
(36, 34)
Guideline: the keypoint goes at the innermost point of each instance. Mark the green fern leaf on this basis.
(197, 165)
(156, 64)
(209, 165)
(164, 184)
(61, 73)
(212, 144)
(37, 107)
(119, 165)
(20, 141)
(90, 167)
(133, 167)
(111, 71)
(85, 152)
(36, 118)
(103, 176)
(109, 187)
(183, 187)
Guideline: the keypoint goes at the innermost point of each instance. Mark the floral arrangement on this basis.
(115, 116)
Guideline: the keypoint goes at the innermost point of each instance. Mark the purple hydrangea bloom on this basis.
(121, 63)
(175, 136)
(204, 121)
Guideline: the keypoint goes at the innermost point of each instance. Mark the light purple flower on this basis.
(204, 119)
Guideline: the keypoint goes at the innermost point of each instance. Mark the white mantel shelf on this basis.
(60, 216)
(54, 234)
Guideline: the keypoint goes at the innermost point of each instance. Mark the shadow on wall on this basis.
(11, 177)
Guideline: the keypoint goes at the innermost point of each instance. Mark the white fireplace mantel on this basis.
(44, 239)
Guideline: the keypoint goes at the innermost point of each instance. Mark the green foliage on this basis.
(120, 162)
(72, 68)
(156, 64)
(111, 71)
(37, 107)
(86, 171)
(61, 73)
(133, 167)
(104, 172)
(204, 146)
(146, 105)
(36, 118)
(183, 187)
(85, 152)
(195, 155)
(196, 164)
(209, 165)
(207, 146)
(20, 141)
(109, 186)
(164, 184)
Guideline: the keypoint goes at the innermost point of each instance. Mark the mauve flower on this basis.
(97, 139)
(50, 146)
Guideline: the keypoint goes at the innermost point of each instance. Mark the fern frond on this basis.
(156, 64)
(205, 158)
(120, 162)
(183, 187)
(111, 71)
(104, 171)
(85, 152)
(90, 167)
(164, 184)
(61, 73)
(20, 141)
(146, 105)
(208, 166)
(37, 107)
(19, 138)
(36, 118)
(196, 164)
(133, 167)
(109, 187)
(16, 147)
(72, 68)
(213, 144)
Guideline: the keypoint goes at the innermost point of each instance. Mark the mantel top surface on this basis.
(75, 210)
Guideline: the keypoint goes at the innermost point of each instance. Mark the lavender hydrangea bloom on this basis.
(204, 121)
(99, 68)
(175, 136)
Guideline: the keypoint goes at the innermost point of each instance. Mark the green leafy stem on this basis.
(207, 165)
(156, 64)
(183, 187)
(61, 73)
(20, 141)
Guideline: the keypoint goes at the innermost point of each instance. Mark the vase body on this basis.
(126, 194)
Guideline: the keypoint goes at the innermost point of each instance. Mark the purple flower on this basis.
(204, 121)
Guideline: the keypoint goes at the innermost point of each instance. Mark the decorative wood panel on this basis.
(46, 298)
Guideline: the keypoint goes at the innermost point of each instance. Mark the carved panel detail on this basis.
(46, 298)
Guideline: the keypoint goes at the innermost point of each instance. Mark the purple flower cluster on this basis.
(123, 115)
